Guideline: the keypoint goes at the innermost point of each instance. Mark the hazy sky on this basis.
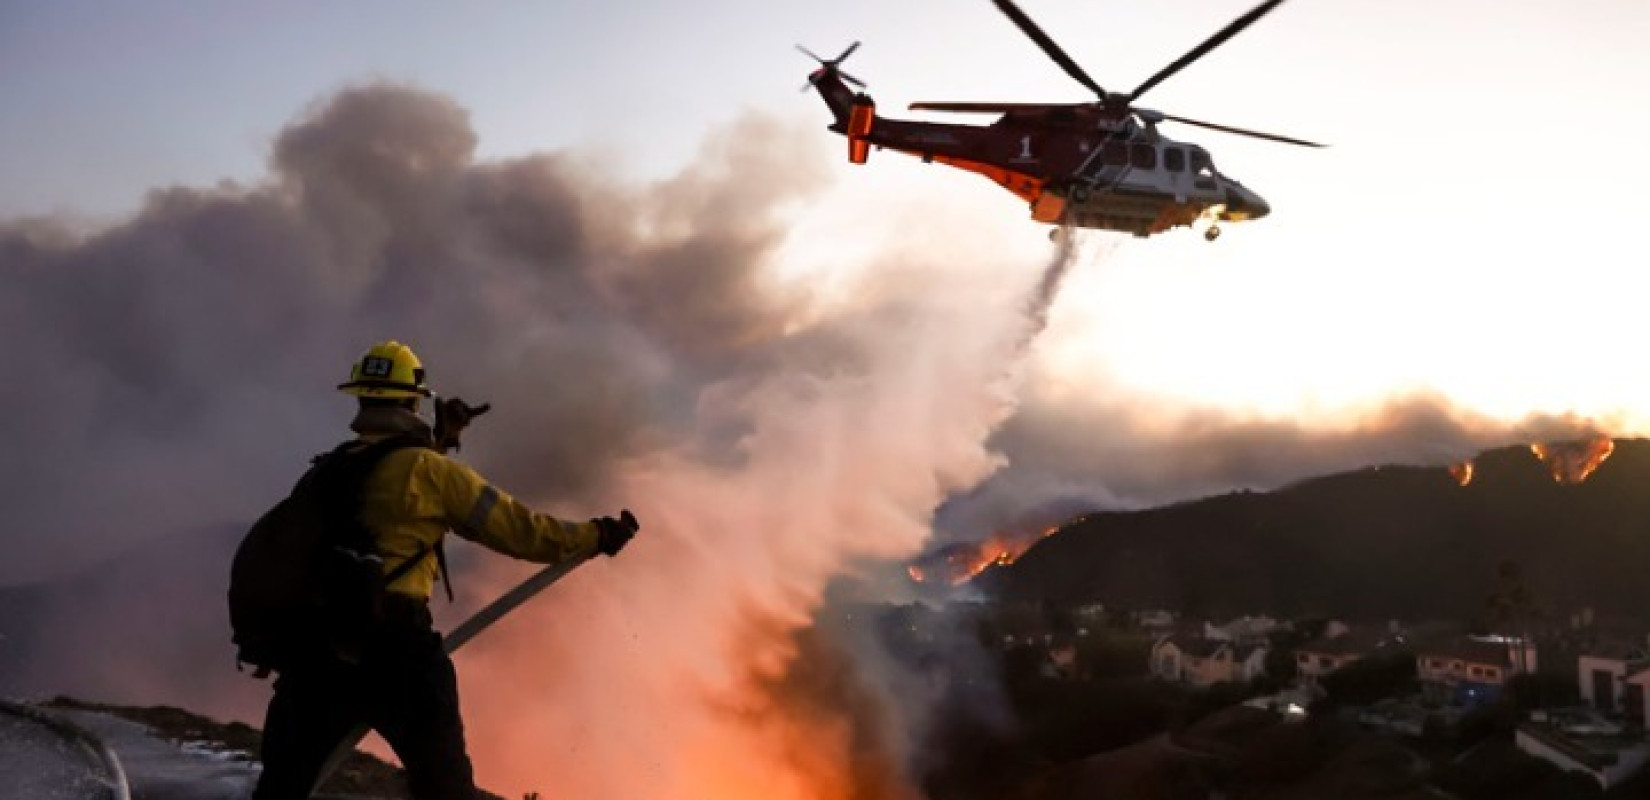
(1471, 233)
(624, 225)
(104, 101)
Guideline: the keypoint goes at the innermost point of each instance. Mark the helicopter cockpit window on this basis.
(1203, 170)
(1114, 154)
(1174, 159)
(1143, 156)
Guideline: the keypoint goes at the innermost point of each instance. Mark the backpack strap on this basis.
(441, 561)
(372, 454)
(406, 566)
(443, 574)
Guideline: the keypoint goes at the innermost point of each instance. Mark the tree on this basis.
(1374, 677)
(1511, 605)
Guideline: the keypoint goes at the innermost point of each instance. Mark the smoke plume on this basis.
(640, 347)
(638, 350)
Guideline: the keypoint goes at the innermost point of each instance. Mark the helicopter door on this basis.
(1174, 166)
(1203, 173)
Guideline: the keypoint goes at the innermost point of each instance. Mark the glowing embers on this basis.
(1461, 472)
(1571, 462)
(955, 564)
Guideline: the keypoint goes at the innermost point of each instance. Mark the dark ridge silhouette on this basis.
(1404, 542)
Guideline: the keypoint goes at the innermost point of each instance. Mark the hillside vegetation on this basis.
(1384, 542)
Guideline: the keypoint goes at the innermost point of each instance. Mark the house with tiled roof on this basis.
(1200, 661)
(1613, 678)
(1324, 655)
(1469, 670)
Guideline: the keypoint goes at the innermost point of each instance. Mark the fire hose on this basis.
(473, 626)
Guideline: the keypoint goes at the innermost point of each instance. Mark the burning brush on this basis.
(1571, 462)
(1461, 472)
(958, 563)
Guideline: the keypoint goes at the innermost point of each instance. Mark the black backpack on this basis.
(307, 581)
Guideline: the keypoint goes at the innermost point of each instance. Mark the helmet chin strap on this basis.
(419, 410)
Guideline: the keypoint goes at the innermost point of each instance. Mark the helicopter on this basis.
(1100, 164)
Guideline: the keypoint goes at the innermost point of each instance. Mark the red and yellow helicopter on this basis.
(1100, 164)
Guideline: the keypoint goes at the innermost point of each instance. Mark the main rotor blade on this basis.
(969, 107)
(848, 52)
(810, 54)
(1242, 131)
(1053, 50)
(1210, 43)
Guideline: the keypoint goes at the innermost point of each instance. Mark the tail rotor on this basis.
(830, 66)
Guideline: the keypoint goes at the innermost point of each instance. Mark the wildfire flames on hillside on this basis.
(1461, 472)
(1571, 462)
(956, 564)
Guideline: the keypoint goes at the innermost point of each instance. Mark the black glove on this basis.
(613, 534)
(452, 415)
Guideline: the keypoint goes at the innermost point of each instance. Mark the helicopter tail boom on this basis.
(855, 113)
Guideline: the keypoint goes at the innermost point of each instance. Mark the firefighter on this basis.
(403, 684)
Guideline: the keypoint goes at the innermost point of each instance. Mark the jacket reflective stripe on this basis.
(476, 523)
(416, 496)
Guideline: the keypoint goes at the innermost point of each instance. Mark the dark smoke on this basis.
(178, 371)
(178, 367)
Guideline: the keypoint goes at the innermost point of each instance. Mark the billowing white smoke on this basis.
(638, 350)
(670, 672)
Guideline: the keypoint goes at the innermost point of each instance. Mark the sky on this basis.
(626, 228)
(1452, 198)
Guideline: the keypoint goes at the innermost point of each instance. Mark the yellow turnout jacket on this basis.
(416, 495)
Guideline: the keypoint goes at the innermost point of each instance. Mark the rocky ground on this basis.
(172, 754)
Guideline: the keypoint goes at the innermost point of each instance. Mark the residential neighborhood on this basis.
(1577, 699)
(1336, 648)
(1205, 662)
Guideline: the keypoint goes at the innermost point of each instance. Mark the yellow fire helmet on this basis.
(387, 370)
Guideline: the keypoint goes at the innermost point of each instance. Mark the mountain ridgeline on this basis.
(1400, 542)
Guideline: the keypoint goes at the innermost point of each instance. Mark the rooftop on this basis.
(1596, 751)
(1469, 650)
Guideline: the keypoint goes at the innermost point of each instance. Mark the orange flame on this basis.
(959, 564)
(996, 550)
(1462, 472)
(1571, 462)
